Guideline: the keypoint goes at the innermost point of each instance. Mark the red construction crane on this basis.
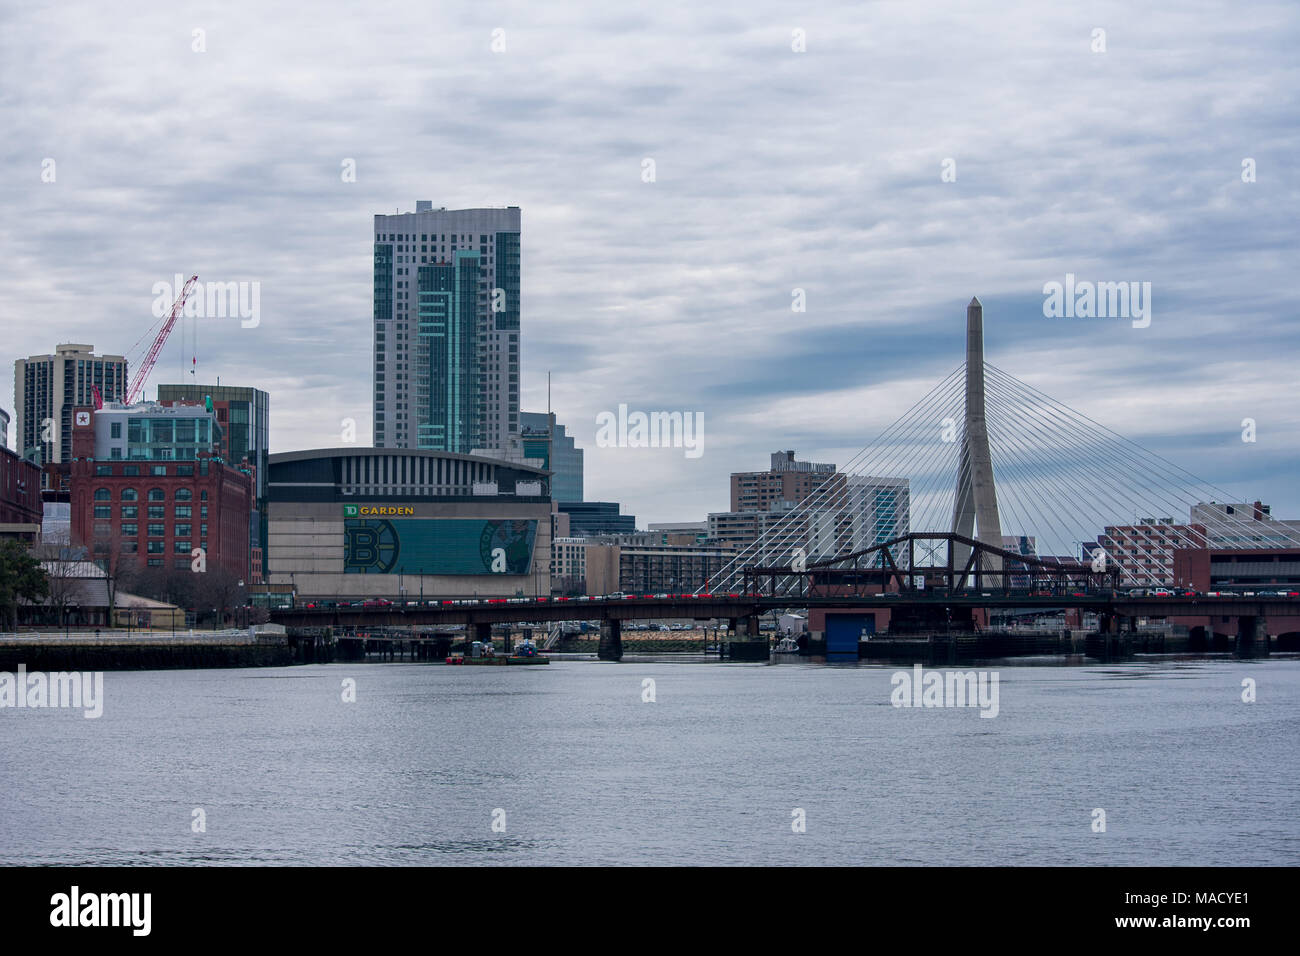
(137, 384)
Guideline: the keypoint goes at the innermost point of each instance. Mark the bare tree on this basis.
(63, 577)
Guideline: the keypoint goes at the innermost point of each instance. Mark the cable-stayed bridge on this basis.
(992, 477)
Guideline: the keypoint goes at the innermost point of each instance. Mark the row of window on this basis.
(155, 494)
(153, 547)
(103, 512)
(156, 471)
(155, 530)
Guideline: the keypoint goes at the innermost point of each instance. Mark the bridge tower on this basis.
(976, 503)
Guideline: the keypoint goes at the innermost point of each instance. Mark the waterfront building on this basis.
(358, 523)
(147, 488)
(1145, 551)
(652, 569)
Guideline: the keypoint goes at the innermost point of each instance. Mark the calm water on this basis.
(709, 773)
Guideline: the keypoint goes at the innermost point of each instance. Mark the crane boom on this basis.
(137, 384)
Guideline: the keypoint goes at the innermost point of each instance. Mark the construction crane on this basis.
(136, 388)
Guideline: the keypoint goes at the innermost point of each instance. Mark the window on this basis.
(158, 470)
(130, 511)
(157, 511)
(183, 530)
(185, 470)
(103, 494)
(103, 511)
(184, 511)
(157, 530)
(203, 511)
(130, 494)
(130, 547)
(184, 494)
(155, 562)
(130, 530)
(132, 471)
(115, 453)
(156, 547)
(181, 564)
(203, 496)
(115, 430)
(157, 494)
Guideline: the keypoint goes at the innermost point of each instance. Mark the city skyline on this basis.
(747, 205)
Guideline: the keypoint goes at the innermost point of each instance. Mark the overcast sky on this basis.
(774, 170)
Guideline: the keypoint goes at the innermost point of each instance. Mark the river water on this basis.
(575, 766)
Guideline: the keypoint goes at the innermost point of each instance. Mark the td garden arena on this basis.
(347, 524)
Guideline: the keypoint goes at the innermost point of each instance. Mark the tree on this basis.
(120, 566)
(62, 578)
(21, 579)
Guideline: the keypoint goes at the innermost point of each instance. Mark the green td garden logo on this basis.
(365, 511)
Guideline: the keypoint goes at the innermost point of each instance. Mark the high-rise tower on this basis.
(446, 329)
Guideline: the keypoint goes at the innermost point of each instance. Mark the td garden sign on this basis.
(369, 511)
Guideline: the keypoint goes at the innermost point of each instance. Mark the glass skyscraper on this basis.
(446, 329)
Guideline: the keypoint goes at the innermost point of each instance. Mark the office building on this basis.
(588, 518)
(48, 387)
(446, 329)
(652, 569)
(787, 482)
(545, 440)
(569, 565)
(243, 418)
(1145, 551)
(4, 428)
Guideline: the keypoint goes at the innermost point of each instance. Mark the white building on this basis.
(48, 387)
(1244, 525)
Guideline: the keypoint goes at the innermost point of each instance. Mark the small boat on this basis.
(787, 645)
(483, 653)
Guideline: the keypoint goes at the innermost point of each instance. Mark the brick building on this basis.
(20, 497)
(159, 510)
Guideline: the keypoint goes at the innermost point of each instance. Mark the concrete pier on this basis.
(611, 641)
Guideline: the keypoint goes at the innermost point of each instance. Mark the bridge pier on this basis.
(611, 641)
(1252, 636)
(481, 632)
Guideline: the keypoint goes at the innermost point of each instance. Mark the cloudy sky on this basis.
(774, 169)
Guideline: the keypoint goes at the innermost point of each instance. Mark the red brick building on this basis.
(20, 497)
(160, 511)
